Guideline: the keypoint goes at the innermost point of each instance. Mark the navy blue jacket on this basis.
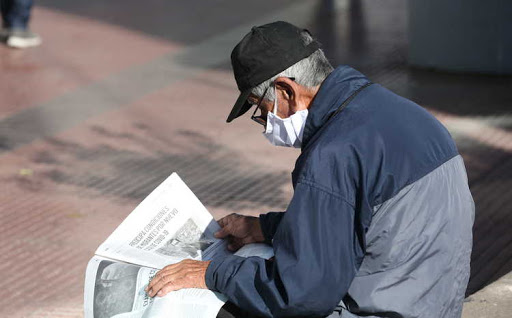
(383, 158)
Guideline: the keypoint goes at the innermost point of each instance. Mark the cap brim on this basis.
(241, 105)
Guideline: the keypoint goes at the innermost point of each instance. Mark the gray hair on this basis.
(309, 72)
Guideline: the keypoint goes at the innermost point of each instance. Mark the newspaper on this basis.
(169, 225)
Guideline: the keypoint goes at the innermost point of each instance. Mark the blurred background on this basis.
(121, 93)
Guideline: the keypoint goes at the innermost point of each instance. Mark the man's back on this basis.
(413, 212)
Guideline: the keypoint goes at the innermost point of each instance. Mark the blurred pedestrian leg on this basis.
(15, 17)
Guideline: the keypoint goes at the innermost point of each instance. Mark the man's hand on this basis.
(240, 230)
(185, 274)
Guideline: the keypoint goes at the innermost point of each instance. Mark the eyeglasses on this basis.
(262, 120)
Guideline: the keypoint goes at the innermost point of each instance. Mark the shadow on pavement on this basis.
(216, 175)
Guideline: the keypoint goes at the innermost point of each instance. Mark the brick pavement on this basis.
(108, 109)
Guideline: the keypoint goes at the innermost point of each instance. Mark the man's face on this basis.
(284, 109)
(291, 98)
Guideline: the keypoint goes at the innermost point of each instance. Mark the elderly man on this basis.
(380, 223)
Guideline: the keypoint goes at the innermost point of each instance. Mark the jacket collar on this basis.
(335, 89)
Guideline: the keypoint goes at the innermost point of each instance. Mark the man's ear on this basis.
(288, 87)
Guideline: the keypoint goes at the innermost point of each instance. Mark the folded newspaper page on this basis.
(168, 226)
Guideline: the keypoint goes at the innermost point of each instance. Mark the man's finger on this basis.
(225, 220)
(152, 282)
(228, 219)
(224, 232)
(222, 222)
(163, 276)
(156, 278)
(169, 287)
(153, 289)
(157, 282)
(157, 290)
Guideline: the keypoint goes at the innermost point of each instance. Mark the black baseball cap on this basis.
(264, 52)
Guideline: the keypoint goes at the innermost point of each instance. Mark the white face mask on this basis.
(285, 132)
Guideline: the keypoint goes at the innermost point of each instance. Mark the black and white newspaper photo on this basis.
(116, 289)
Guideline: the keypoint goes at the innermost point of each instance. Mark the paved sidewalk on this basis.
(120, 95)
(494, 300)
